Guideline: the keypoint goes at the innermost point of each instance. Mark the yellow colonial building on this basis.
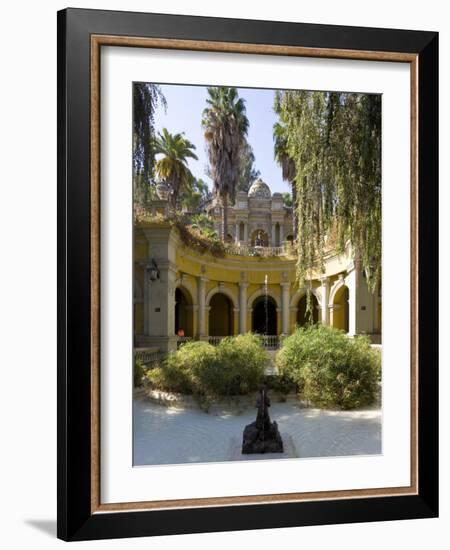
(182, 293)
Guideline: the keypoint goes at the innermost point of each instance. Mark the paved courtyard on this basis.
(165, 435)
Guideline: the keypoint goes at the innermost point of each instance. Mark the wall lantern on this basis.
(153, 271)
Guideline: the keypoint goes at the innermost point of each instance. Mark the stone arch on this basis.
(264, 316)
(302, 317)
(184, 312)
(221, 315)
(261, 292)
(335, 288)
(222, 290)
(340, 308)
(300, 293)
(188, 287)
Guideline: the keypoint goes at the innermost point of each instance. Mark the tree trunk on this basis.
(294, 209)
(174, 195)
(224, 217)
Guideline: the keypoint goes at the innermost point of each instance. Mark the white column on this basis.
(361, 315)
(273, 243)
(243, 308)
(285, 307)
(351, 282)
(281, 234)
(246, 232)
(325, 296)
(161, 307)
(376, 309)
(171, 276)
(201, 325)
(236, 235)
(146, 302)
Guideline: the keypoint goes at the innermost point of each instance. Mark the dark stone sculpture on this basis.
(262, 436)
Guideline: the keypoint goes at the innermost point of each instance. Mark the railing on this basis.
(270, 341)
(215, 340)
(260, 251)
(182, 340)
(147, 356)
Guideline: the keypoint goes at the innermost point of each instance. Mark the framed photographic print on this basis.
(247, 253)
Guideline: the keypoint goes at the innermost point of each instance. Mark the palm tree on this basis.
(284, 159)
(172, 167)
(146, 98)
(225, 124)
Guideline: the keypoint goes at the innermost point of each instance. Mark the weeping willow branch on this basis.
(334, 141)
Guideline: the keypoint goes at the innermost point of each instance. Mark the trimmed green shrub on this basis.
(177, 372)
(330, 369)
(236, 366)
(280, 384)
(242, 362)
(138, 373)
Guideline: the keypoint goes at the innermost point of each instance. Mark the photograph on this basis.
(247, 274)
(257, 273)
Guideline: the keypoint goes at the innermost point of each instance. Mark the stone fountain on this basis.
(266, 305)
(262, 435)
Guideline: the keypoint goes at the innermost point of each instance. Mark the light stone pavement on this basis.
(165, 435)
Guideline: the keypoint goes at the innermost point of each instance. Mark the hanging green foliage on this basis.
(333, 140)
(146, 98)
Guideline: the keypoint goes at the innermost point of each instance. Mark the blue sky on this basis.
(185, 105)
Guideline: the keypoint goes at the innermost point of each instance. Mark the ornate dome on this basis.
(259, 190)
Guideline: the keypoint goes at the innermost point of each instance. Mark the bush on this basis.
(176, 372)
(242, 362)
(138, 373)
(280, 384)
(236, 366)
(330, 369)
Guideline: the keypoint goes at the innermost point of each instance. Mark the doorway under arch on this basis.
(277, 235)
(183, 313)
(305, 317)
(340, 309)
(221, 316)
(264, 316)
(241, 231)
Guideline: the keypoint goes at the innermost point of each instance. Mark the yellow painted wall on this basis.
(141, 247)
(138, 318)
(225, 274)
(339, 314)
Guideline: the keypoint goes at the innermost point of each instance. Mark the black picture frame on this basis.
(75, 518)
